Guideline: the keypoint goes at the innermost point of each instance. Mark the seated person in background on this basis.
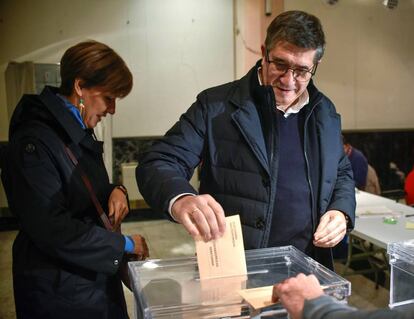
(372, 186)
(394, 177)
(303, 297)
(359, 164)
(409, 188)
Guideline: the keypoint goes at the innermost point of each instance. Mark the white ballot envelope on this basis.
(224, 256)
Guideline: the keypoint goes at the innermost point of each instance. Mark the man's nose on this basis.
(288, 76)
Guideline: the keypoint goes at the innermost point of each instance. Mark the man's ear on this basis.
(77, 87)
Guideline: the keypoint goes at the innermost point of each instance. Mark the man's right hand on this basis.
(201, 215)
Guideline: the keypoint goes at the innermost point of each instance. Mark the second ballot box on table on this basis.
(171, 288)
(401, 258)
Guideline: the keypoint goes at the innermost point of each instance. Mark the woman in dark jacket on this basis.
(65, 262)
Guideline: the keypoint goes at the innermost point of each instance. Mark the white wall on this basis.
(184, 50)
(175, 48)
(368, 67)
(250, 31)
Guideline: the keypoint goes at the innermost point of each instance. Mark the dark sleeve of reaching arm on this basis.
(165, 170)
(35, 192)
(326, 307)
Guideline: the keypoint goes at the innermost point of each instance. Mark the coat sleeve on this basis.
(165, 169)
(343, 195)
(326, 307)
(36, 194)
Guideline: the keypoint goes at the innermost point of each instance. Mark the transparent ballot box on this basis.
(171, 288)
(401, 256)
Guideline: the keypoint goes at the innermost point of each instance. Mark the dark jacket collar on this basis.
(66, 120)
(243, 91)
(57, 108)
(247, 117)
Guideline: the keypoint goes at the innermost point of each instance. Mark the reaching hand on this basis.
(331, 229)
(293, 292)
(118, 207)
(201, 216)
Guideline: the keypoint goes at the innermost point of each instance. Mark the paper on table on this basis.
(224, 256)
(375, 211)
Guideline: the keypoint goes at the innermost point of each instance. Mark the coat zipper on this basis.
(273, 172)
(272, 185)
(314, 217)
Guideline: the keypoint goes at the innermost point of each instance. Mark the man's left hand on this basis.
(331, 229)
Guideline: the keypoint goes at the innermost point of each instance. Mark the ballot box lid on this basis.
(402, 250)
(171, 288)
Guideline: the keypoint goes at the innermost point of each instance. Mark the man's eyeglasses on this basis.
(281, 68)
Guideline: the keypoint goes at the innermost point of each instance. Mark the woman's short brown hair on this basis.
(96, 65)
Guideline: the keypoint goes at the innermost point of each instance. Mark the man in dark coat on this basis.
(269, 149)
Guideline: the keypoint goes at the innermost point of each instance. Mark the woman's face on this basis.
(97, 104)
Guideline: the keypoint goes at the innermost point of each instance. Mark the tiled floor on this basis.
(6, 289)
(166, 239)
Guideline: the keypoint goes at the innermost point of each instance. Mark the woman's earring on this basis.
(81, 106)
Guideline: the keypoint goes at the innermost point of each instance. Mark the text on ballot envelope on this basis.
(224, 256)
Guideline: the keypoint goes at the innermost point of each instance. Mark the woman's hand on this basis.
(118, 207)
(140, 247)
